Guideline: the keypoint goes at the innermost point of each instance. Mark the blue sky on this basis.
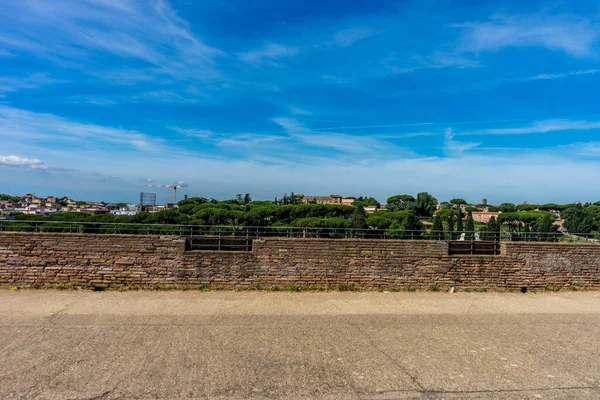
(471, 99)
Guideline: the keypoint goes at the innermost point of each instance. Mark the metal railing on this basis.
(281, 231)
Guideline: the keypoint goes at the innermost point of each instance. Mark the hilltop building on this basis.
(331, 199)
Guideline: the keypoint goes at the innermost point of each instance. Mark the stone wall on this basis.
(87, 260)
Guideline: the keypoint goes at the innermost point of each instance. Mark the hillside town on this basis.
(33, 205)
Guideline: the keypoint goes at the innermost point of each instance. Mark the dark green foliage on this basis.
(586, 226)
(459, 224)
(399, 202)
(366, 201)
(425, 204)
(458, 201)
(412, 222)
(527, 207)
(521, 216)
(288, 199)
(473, 209)
(491, 231)
(554, 207)
(545, 228)
(469, 227)
(386, 219)
(10, 198)
(437, 230)
(192, 200)
(359, 218)
(450, 226)
(582, 219)
(445, 212)
(507, 207)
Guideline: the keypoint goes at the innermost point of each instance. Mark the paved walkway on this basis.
(231, 345)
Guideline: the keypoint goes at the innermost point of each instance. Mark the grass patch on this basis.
(348, 288)
(294, 288)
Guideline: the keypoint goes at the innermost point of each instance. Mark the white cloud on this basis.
(198, 133)
(406, 64)
(572, 35)
(149, 34)
(338, 141)
(269, 52)
(299, 111)
(53, 130)
(348, 37)
(248, 140)
(544, 126)
(16, 161)
(454, 148)
(32, 81)
(588, 149)
(562, 75)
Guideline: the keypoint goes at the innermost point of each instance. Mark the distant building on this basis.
(331, 199)
(484, 202)
(484, 216)
(129, 210)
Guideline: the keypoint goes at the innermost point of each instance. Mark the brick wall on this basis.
(86, 260)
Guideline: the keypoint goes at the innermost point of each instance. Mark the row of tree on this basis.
(453, 227)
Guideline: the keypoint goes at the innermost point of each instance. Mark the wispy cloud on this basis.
(586, 149)
(348, 37)
(544, 126)
(402, 64)
(51, 129)
(572, 35)
(33, 81)
(198, 133)
(149, 35)
(562, 75)
(17, 161)
(268, 52)
(299, 111)
(248, 140)
(455, 148)
(333, 140)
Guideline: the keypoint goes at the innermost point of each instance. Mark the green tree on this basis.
(469, 227)
(425, 204)
(527, 207)
(366, 201)
(437, 229)
(586, 226)
(458, 201)
(399, 202)
(459, 224)
(359, 218)
(247, 198)
(545, 228)
(492, 230)
(450, 223)
(526, 229)
(507, 207)
(412, 223)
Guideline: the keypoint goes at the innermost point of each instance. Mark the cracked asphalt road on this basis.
(239, 345)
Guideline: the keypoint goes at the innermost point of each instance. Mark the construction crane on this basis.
(174, 187)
